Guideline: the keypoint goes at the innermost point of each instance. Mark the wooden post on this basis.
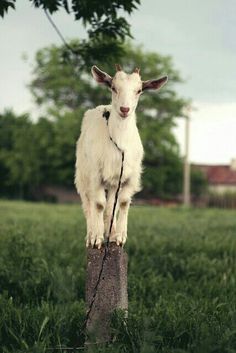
(111, 292)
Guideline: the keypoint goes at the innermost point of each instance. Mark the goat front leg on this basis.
(108, 214)
(122, 222)
(97, 207)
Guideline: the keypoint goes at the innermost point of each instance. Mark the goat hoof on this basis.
(121, 238)
(99, 244)
(96, 242)
(94, 239)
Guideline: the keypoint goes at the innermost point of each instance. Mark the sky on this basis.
(199, 35)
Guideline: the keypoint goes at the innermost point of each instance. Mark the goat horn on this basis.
(137, 70)
(118, 67)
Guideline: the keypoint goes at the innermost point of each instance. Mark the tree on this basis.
(106, 28)
(19, 162)
(33, 154)
(65, 93)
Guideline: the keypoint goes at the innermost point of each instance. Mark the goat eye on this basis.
(113, 89)
(139, 91)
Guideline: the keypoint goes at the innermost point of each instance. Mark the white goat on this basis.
(98, 160)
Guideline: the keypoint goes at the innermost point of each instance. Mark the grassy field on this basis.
(182, 273)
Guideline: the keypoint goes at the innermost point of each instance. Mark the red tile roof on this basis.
(218, 174)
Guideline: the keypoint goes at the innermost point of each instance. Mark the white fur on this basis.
(98, 161)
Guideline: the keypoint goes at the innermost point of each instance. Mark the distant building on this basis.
(221, 178)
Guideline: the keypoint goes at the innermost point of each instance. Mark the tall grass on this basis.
(182, 274)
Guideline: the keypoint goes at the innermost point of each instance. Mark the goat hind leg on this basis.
(87, 212)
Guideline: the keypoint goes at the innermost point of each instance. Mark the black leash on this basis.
(106, 115)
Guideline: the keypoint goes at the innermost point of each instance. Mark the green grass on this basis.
(182, 273)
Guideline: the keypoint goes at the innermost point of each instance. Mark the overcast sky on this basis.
(199, 35)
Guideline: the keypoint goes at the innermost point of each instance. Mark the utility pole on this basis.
(186, 179)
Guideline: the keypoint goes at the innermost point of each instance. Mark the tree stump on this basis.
(111, 291)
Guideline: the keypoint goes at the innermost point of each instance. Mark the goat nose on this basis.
(124, 110)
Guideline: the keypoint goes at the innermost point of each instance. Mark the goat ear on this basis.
(101, 76)
(154, 84)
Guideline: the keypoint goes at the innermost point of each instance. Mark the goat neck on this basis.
(121, 130)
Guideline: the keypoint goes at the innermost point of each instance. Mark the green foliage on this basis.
(35, 154)
(181, 283)
(106, 28)
(57, 82)
(5, 5)
(19, 162)
(199, 183)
